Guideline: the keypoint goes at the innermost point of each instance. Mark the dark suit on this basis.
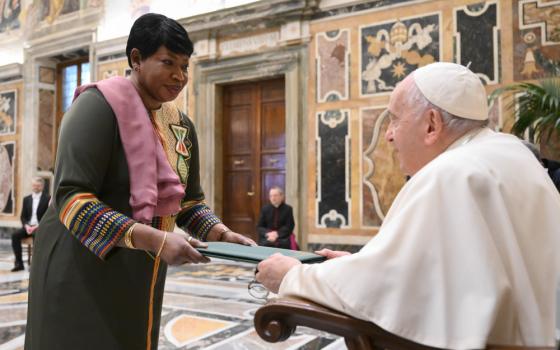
(26, 214)
(279, 219)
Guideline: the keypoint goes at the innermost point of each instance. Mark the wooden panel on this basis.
(273, 90)
(241, 182)
(273, 127)
(273, 161)
(239, 130)
(239, 162)
(239, 95)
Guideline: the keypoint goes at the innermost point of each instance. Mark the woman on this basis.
(127, 171)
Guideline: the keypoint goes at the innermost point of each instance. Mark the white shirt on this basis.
(36, 198)
(466, 256)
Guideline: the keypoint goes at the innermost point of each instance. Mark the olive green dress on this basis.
(85, 292)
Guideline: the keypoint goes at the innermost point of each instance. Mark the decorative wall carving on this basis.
(7, 177)
(9, 15)
(8, 112)
(379, 166)
(393, 49)
(536, 33)
(333, 61)
(251, 43)
(45, 159)
(477, 40)
(46, 75)
(333, 169)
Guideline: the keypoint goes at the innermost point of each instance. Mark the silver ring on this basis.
(189, 239)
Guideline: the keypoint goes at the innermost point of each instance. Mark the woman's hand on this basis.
(234, 237)
(177, 250)
(222, 233)
(331, 254)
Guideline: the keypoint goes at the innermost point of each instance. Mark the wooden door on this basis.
(254, 150)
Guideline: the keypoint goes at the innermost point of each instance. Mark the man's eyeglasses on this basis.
(257, 290)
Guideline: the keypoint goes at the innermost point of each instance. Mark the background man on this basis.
(276, 222)
(467, 254)
(34, 206)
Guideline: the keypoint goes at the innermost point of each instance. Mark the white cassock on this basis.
(466, 256)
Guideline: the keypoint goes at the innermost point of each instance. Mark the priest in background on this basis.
(467, 256)
(276, 222)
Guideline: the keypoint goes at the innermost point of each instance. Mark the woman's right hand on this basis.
(331, 254)
(178, 251)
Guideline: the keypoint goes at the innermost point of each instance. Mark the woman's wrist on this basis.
(217, 233)
(146, 237)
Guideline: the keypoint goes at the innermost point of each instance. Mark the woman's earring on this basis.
(137, 68)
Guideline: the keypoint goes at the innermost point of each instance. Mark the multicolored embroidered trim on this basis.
(164, 223)
(93, 223)
(200, 220)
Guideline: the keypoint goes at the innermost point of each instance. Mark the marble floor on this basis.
(205, 307)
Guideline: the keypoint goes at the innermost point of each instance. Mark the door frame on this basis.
(210, 76)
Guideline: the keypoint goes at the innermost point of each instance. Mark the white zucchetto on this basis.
(453, 88)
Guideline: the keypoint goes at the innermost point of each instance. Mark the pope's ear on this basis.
(434, 127)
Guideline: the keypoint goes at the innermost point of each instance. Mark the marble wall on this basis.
(386, 41)
(10, 128)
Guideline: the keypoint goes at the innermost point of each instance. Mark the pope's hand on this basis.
(271, 271)
(331, 254)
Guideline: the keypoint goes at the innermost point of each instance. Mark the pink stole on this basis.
(155, 189)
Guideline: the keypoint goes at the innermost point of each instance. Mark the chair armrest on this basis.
(278, 319)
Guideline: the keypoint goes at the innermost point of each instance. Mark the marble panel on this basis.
(9, 16)
(46, 75)
(51, 10)
(477, 42)
(251, 340)
(391, 50)
(185, 329)
(7, 177)
(230, 308)
(10, 332)
(381, 175)
(536, 35)
(13, 314)
(333, 61)
(8, 112)
(109, 73)
(333, 169)
(45, 159)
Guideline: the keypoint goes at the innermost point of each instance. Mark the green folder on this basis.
(238, 252)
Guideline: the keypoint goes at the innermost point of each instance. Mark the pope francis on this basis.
(467, 256)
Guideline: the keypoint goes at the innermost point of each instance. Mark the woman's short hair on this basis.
(152, 30)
